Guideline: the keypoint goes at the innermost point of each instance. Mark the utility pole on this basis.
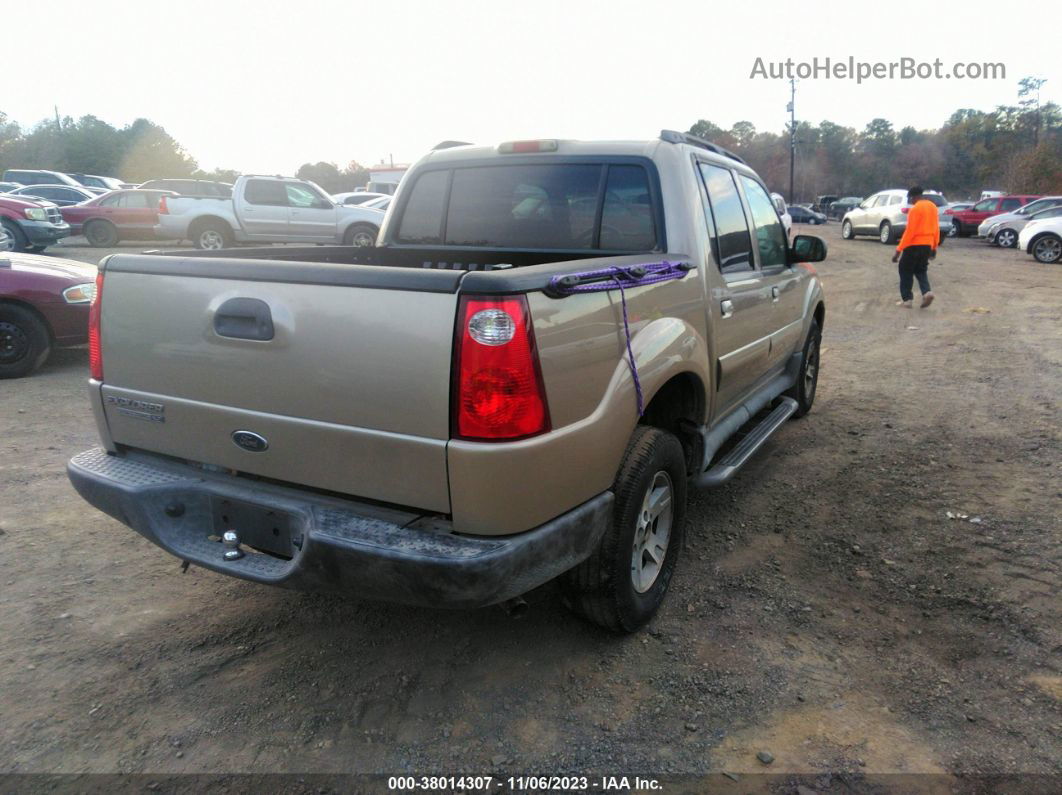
(58, 124)
(792, 136)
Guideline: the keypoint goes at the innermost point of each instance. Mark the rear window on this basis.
(539, 206)
(936, 198)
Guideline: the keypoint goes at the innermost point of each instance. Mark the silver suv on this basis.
(883, 215)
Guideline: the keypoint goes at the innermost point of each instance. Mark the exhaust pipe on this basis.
(515, 608)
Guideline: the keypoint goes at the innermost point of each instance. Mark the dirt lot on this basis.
(827, 610)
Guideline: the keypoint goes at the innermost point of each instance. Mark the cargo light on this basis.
(523, 147)
(498, 393)
(95, 350)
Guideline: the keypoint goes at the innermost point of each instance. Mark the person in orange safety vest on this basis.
(917, 247)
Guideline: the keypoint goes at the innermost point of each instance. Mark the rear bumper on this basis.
(366, 550)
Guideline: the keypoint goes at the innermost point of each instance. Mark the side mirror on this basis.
(324, 204)
(807, 248)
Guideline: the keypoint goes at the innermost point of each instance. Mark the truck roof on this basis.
(648, 149)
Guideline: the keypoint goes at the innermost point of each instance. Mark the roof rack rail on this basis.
(449, 145)
(674, 137)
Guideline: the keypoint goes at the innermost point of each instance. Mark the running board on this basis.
(730, 463)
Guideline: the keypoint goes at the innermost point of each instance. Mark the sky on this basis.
(263, 87)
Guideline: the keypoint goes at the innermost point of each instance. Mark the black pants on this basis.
(914, 262)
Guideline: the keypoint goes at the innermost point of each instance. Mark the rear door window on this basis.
(732, 242)
(134, 200)
(1009, 205)
(265, 192)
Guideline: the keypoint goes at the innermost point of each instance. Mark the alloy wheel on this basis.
(1048, 249)
(211, 239)
(653, 533)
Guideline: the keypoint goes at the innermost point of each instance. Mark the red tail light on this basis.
(164, 209)
(95, 352)
(904, 210)
(497, 384)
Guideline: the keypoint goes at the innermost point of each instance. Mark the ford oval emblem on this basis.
(250, 441)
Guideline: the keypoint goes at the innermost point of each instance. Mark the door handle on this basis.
(244, 319)
(774, 293)
(727, 306)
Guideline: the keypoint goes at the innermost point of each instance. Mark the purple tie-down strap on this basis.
(614, 277)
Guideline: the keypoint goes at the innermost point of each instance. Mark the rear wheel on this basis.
(846, 230)
(1047, 249)
(954, 229)
(621, 586)
(101, 234)
(885, 233)
(24, 341)
(19, 241)
(212, 235)
(360, 235)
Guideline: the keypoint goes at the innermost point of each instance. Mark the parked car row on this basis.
(50, 205)
(1032, 224)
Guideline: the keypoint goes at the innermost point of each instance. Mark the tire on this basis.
(955, 229)
(24, 341)
(885, 234)
(846, 230)
(212, 235)
(1047, 249)
(101, 234)
(803, 391)
(1006, 238)
(607, 588)
(365, 233)
(19, 241)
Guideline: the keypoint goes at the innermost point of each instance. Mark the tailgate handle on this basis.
(244, 319)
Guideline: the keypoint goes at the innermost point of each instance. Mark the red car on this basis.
(967, 221)
(114, 216)
(44, 302)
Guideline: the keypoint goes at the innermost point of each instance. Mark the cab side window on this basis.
(731, 242)
(267, 192)
(770, 235)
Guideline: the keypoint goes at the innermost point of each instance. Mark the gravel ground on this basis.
(827, 612)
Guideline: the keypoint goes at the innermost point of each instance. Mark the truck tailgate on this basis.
(350, 393)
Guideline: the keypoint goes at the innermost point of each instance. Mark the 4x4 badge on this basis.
(250, 441)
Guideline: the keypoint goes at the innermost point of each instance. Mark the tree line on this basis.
(1015, 148)
(135, 153)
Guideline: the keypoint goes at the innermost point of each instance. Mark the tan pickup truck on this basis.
(551, 342)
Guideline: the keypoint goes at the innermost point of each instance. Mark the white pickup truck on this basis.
(266, 210)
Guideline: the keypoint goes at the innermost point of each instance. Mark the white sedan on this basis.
(1042, 239)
